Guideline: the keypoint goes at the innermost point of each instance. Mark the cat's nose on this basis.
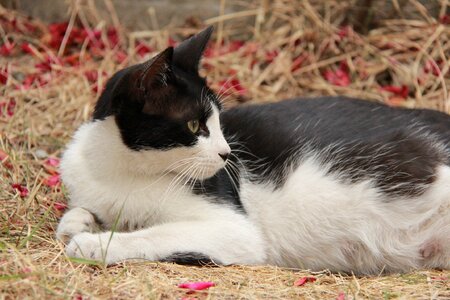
(224, 155)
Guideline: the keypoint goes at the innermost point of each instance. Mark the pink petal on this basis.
(439, 278)
(341, 296)
(52, 161)
(338, 77)
(196, 286)
(52, 180)
(302, 281)
(60, 206)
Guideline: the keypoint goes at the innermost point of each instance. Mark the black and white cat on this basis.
(161, 174)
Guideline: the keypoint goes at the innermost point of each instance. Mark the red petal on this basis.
(142, 48)
(271, 55)
(121, 56)
(302, 281)
(23, 191)
(401, 91)
(91, 75)
(344, 32)
(445, 19)
(6, 49)
(298, 61)
(27, 48)
(113, 37)
(433, 67)
(171, 42)
(196, 286)
(341, 296)
(235, 45)
(3, 76)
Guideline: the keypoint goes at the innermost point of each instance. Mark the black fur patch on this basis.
(191, 259)
(153, 101)
(358, 139)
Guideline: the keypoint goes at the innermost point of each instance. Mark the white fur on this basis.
(314, 221)
(317, 222)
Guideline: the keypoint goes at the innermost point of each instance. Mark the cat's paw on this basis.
(99, 247)
(75, 221)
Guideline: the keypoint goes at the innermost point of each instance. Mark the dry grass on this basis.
(308, 41)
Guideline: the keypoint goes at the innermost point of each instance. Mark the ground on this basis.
(51, 76)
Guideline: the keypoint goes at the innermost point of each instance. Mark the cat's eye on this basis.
(193, 125)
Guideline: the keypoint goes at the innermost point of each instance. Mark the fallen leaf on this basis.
(302, 281)
(196, 286)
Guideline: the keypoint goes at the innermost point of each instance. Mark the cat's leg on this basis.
(218, 241)
(75, 221)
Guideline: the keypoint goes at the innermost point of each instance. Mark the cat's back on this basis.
(330, 119)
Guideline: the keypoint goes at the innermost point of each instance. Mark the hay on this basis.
(266, 52)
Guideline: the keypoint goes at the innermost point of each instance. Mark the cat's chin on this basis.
(206, 173)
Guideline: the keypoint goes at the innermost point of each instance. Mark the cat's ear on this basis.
(187, 55)
(156, 71)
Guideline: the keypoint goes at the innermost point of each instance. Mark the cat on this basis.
(162, 173)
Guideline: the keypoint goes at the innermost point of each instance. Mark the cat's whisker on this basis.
(174, 184)
(167, 171)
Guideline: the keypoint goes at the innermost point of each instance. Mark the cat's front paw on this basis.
(75, 221)
(99, 247)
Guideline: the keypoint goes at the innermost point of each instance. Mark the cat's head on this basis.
(165, 111)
